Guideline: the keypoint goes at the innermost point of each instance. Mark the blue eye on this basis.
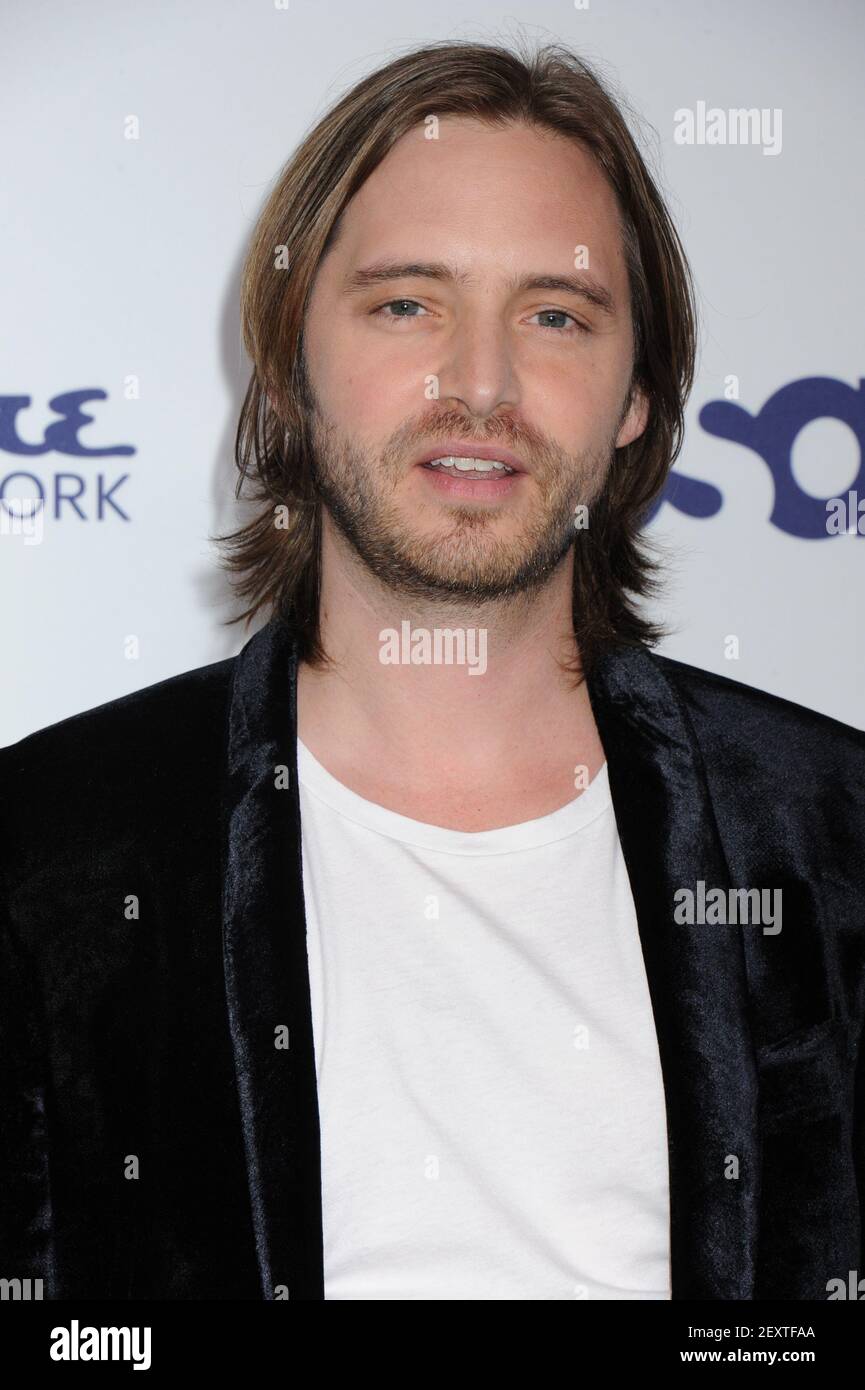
(559, 314)
(403, 303)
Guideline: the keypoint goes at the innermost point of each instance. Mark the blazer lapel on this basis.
(266, 973)
(696, 976)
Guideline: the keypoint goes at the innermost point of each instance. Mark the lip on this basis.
(454, 448)
(492, 489)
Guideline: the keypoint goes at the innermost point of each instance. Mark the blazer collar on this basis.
(696, 975)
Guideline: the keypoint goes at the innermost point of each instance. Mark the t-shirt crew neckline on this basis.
(530, 834)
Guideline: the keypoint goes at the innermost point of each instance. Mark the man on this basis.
(448, 942)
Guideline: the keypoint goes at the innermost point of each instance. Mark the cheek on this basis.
(563, 405)
(575, 404)
(335, 377)
(370, 395)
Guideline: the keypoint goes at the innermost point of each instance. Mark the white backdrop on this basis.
(121, 262)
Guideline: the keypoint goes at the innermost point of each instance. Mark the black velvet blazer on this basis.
(154, 1143)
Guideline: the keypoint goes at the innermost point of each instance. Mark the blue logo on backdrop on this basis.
(769, 434)
(90, 498)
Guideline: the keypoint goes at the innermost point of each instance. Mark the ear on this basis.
(635, 420)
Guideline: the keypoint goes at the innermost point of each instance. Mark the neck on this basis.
(509, 711)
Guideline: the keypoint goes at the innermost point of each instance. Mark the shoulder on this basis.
(787, 790)
(135, 759)
(753, 730)
(179, 710)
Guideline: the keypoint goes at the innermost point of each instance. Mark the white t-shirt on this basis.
(489, 1084)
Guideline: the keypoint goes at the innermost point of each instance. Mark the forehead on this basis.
(512, 197)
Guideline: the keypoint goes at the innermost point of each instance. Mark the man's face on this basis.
(405, 360)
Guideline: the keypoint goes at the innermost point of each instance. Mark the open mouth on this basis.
(487, 470)
(471, 479)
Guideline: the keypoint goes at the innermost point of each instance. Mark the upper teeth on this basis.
(471, 465)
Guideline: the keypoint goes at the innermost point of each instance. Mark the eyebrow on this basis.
(583, 285)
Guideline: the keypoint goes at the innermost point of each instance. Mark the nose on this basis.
(478, 370)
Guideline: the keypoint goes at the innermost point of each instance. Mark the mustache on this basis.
(451, 424)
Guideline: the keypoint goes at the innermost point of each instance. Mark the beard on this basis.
(468, 554)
